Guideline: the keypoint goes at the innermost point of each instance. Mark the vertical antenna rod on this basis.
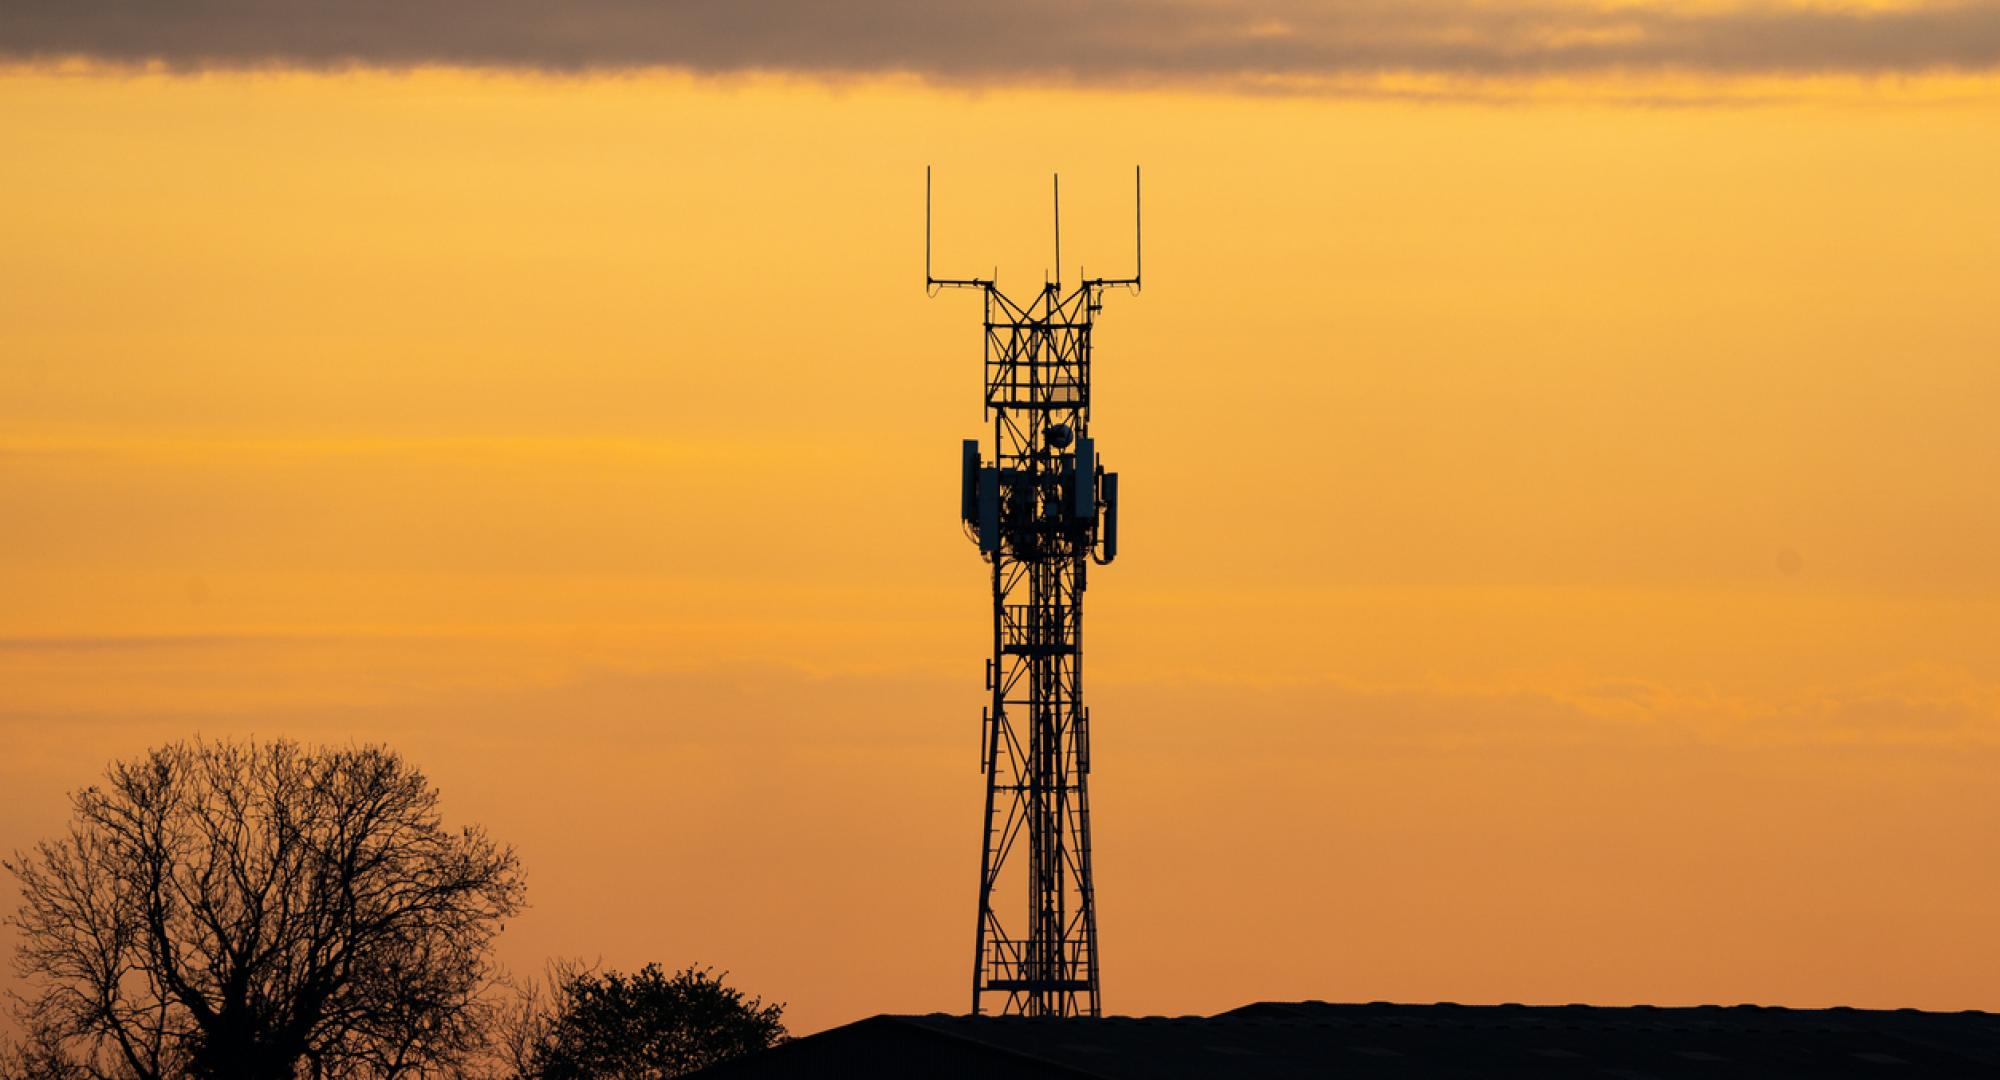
(1058, 191)
(929, 281)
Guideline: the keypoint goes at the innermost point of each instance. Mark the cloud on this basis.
(1196, 42)
(90, 643)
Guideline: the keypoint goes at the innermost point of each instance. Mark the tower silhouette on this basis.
(1041, 509)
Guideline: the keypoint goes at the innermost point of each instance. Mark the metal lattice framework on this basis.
(1041, 510)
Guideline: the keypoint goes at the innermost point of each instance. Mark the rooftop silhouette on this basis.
(1313, 1038)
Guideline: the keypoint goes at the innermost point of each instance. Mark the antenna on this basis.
(1138, 245)
(1040, 508)
(936, 282)
(1058, 191)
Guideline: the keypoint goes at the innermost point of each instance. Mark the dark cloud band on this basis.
(1172, 41)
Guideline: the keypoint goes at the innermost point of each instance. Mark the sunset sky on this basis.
(1559, 456)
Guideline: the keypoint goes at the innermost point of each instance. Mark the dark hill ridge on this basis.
(1315, 1039)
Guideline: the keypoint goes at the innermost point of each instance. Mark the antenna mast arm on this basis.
(1138, 244)
(931, 282)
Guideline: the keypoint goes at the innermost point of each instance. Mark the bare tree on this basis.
(259, 910)
(520, 1023)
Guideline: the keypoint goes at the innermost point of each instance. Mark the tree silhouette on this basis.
(642, 1026)
(258, 910)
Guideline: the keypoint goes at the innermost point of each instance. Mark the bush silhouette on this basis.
(644, 1025)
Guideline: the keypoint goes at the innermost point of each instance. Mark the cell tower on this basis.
(1041, 509)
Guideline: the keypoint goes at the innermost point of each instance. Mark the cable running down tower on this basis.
(1041, 509)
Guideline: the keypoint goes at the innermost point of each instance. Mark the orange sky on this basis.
(1557, 560)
